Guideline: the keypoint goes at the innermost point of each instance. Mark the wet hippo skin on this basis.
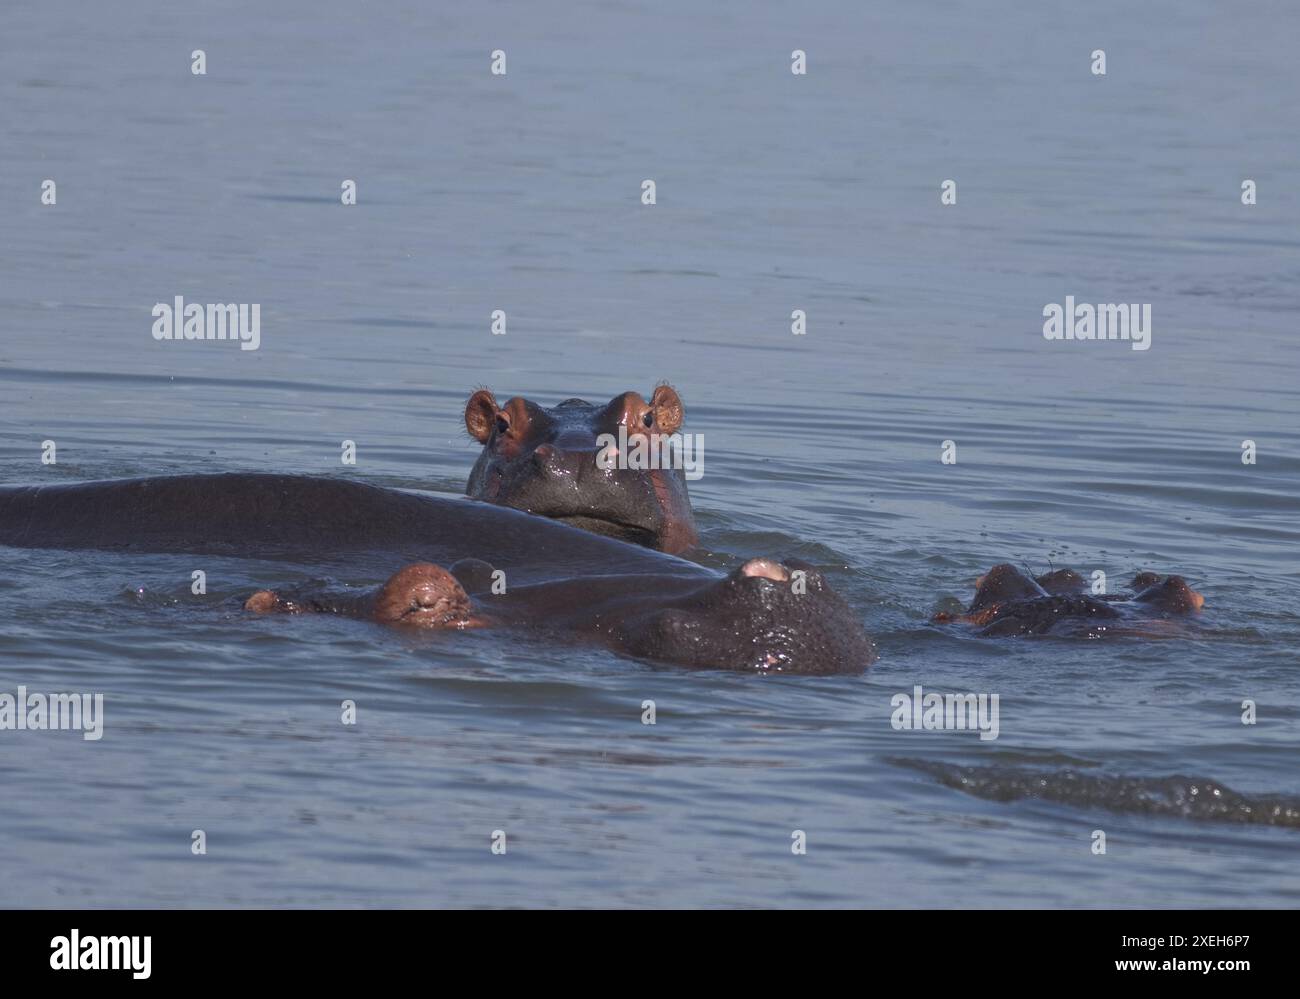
(543, 461)
(324, 521)
(1010, 602)
(643, 602)
(750, 619)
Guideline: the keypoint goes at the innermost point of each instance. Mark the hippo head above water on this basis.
(753, 619)
(1009, 601)
(544, 461)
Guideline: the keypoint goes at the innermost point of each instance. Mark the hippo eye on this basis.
(649, 418)
(503, 425)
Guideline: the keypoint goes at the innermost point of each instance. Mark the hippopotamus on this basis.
(750, 619)
(544, 461)
(1011, 602)
(644, 603)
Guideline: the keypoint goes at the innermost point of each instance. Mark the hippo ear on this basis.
(668, 408)
(480, 415)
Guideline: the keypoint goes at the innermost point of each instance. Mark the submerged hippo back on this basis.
(303, 517)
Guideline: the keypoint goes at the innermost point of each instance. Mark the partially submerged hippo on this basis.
(646, 603)
(1011, 602)
(544, 461)
(751, 619)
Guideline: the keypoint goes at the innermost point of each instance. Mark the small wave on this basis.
(1176, 795)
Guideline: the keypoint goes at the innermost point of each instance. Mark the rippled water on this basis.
(775, 193)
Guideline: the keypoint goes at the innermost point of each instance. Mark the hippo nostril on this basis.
(544, 456)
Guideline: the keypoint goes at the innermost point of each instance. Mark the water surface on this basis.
(775, 193)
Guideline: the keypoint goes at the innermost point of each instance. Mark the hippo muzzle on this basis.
(762, 617)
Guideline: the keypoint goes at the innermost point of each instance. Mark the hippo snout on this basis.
(551, 461)
(765, 616)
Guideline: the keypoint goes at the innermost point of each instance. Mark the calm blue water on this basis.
(775, 192)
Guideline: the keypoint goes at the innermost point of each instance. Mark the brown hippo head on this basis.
(545, 461)
(424, 595)
(1009, 602)
(760, 617)
(1060, 582)
(1001, 585)
(1171, 595)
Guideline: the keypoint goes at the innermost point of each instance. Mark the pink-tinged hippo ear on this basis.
(261, 602)
(668, 408)
(766, 568)
(480, 415)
